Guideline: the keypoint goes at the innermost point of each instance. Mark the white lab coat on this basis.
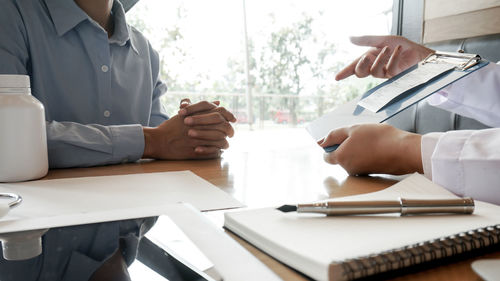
(467, 162)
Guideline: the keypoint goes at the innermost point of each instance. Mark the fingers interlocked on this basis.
(208, 124)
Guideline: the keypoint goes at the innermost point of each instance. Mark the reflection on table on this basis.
(271, 168)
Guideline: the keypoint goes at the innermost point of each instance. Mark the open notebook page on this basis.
(310, 242)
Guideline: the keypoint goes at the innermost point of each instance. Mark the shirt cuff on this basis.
(447, 164)
(128, 143)
(428, 144)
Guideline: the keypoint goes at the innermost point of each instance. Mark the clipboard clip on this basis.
(462, 61)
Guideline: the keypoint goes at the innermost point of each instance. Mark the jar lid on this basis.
(14, 81)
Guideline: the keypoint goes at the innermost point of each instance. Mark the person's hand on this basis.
(199, 131)
(389, 56)
(172, 140)
(207, 118)
(374, 148)
(184, 102)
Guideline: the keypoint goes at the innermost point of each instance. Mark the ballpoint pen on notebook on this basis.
(402, 206)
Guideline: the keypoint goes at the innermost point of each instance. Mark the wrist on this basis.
(149, 151)
(414, 148)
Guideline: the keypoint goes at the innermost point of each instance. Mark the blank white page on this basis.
(63, 202)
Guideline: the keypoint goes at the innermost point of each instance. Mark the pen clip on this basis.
(428, 206)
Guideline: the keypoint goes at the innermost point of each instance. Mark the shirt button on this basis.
(107, 113)
(104, 68)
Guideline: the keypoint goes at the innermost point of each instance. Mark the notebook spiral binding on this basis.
(421, 252)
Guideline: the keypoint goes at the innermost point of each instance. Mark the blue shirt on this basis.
(97, 92)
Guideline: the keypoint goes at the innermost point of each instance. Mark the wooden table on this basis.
(262, 177)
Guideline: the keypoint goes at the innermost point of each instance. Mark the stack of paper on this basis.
(64, 202)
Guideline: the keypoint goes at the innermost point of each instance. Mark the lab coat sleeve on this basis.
(465, 162)
(475, 96)
(429, 142)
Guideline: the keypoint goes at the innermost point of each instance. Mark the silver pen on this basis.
(403, 206)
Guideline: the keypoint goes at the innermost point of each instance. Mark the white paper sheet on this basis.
(422, 74)
(64, 202)
(342, 116)
(487, 269)
(231, 260)
(168, 236)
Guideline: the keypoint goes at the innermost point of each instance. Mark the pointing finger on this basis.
(347, 71)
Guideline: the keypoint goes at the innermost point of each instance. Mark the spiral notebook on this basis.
(350, 247)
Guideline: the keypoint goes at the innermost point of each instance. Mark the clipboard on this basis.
(455, 66)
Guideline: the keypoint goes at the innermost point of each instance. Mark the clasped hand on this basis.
(198, 131)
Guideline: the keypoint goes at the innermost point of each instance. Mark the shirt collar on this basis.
(65, 15)
(121, 32)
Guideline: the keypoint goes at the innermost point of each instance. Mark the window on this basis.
(294, 49)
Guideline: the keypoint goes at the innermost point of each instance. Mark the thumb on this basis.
(334, 137)
(370, 41)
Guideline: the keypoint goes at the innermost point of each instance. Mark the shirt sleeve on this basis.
(429, 142)
(476, 96)
(158, 112)
(465, 162)
(13, 41)
(69, 144)
(75, 145)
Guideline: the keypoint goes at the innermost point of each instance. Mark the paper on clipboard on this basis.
(352, 113)
(419, 76)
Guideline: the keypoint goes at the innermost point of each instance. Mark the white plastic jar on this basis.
(23, 140)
